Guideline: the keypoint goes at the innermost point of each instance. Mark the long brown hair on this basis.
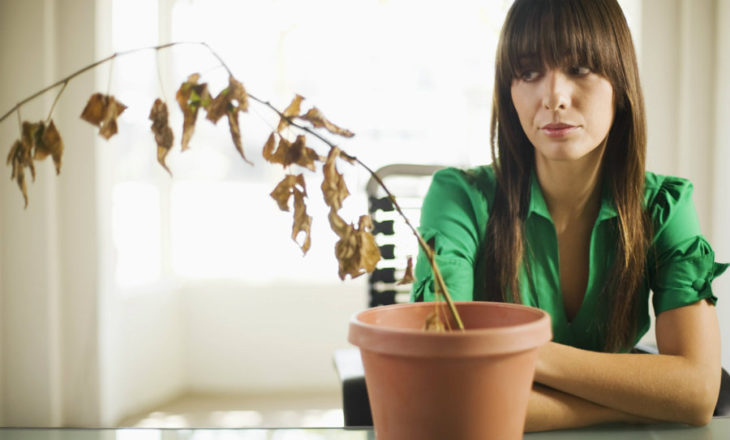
(591, 33)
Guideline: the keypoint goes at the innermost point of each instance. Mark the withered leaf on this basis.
(190, 97)
(269, 147)
(236, 133)
(159, 115)
(317, 119)
(333, 186)
(36, 142)
(408, 276)
(302, 221)
(95, 109)
(103, 111)
(224, 102)
(293, 185)
(356, 251)
(28, 139)
(337, 224)
(49, 142)
(286, 188)
(291, 111)
(291, 153)
(434, 323)
(19, 158)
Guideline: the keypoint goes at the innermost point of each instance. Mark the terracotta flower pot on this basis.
(456, 385)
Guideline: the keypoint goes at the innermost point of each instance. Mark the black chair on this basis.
(408, 183)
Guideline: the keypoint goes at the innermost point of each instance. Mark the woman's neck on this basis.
(571, 189)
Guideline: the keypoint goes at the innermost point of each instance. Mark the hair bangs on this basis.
(556, 33)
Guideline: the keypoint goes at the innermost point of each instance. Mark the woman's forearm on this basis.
(549, 409)
(679, 385)
(661, 387)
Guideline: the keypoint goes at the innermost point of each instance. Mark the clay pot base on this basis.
(457, 385)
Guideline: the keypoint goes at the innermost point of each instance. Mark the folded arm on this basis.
(550, 409)
(681, 384)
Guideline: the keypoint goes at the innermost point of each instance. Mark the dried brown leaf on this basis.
(238, 94)
(317, 119)
(108, 126)
(434, 323)
(369, 251)
(218, 107)
(28, 139)
(290, 112)
(19, 158)
(291, 153)
(302, 221)
(356, 251)
(190, 97)
(333, 186)
(236, 133)
(95, 109)
(103, 111)
(284, 190)
(408, 276)
(49, 142)
(224, 102)
(302, 155)
(338, 224)
(269, 147)
(159, 115)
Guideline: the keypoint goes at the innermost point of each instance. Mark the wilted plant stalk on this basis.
(356, 250)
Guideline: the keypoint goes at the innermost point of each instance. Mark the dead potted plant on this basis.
(433, 370)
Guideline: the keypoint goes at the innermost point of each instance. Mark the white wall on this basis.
(74, 352)
(29, 270)
(685, 47)
(277, 338)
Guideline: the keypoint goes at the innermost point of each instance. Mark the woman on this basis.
(567, 219)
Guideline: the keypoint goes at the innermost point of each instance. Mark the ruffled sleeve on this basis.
(453, 217)
(683, 265)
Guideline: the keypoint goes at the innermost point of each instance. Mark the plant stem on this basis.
(102, 61)
(55, 101)
(427, 249)
(422, 243)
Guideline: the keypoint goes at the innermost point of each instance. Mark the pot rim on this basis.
(468, 343)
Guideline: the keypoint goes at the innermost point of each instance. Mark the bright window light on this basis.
(136, 233)
(412, 79)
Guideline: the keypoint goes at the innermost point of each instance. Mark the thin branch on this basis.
(20, 121)
(427, 249)
(159, 76)
(421, 242)
(55, 101)
(111, 74)
(97, 63)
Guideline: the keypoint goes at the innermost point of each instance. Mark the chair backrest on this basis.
(408, 183)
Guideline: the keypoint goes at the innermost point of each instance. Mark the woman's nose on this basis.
(557, 87)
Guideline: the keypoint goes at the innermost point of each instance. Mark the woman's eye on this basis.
(579, 70)
(529, 75)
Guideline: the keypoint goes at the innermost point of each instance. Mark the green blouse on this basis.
(455, 213)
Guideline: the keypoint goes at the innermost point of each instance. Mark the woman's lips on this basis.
(557, 130)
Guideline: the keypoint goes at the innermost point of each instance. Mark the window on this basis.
(412, 79)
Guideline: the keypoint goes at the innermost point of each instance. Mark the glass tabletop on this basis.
(719, 428)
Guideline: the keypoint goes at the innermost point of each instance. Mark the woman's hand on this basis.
(681, 384)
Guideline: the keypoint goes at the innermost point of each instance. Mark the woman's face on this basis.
(565, 112)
